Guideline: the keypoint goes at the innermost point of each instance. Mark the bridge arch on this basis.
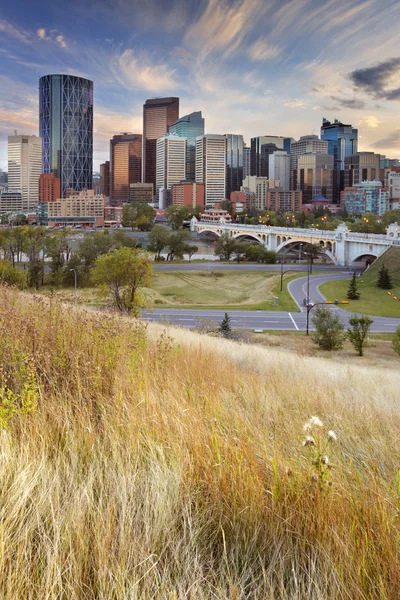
(214, 232)
(366, 258)
(326, 246)
(244, 237)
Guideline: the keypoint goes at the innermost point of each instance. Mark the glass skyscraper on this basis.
(190, 127)
(234, 163)
(66, 129)
(342, 142)
(125, 165)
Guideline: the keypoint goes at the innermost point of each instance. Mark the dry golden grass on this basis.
(170, 465)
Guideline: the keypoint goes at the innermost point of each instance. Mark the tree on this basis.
(11, 276)
(34, 248)
(177, 244)
(352, 292)
(239, 251)
(396, 341)
(225, 328)
(224, 246)
(359, 332)
(139, 215)
(123, 272)
(190, 250)
(92, 246)
(129, 216)
(391, 216)
(329, 334)
(312, 251)
(158, 238)
(384, 280)
(176, 215)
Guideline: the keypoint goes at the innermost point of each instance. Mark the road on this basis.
(270, 320)
(214, 265)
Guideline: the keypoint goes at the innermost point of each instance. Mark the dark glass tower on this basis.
(234, 163)
(190, 127)
(125, 165)
(66, 129)
(342, 142)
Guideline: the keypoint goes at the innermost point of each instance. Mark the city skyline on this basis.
(253, 67)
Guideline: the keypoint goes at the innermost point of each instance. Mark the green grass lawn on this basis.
(373, 301)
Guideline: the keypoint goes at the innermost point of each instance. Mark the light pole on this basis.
(74, 284)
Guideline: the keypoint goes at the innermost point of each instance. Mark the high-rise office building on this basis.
(125, 165)
(279, 168)
(259, 187)
(363, 166)
(105, 178)
(190, 127)
(246, 161)
(211, 166)
(259, 155)
(66, 129)
(305, 145)
(25, 168)
(234, 163)
(314, 176)
(158, 115)
(342, 142)
(171, 161)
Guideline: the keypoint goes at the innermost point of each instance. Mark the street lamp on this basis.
(323, 219)
(301, 247)
(74, 284)
(293, 220)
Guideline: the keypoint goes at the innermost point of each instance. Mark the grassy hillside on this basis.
(391, 259)
(153, 464)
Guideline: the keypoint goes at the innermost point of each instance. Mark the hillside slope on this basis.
(164, 464)
(391, 260)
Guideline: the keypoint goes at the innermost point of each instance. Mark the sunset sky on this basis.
(254, 67)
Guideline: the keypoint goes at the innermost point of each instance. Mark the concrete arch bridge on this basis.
(341, 246)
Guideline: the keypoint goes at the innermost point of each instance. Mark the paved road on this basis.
(214, 265)
(271, 320)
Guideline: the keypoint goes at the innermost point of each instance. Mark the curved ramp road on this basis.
(271, 320)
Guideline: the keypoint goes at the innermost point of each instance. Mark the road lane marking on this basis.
(293, 321)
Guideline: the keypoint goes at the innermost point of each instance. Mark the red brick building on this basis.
(49, 188)
(188, 193)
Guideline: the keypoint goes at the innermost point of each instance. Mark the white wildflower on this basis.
(332, 436)
(309, 441)
(313, 422)
(325, 460)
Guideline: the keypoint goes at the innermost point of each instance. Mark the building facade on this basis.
(282, 200)
(188, 193)
(158, 115)
(171, 161)
(141, 192)
(246, 161)
(363, 166)
(366, 197)
(66, 129)
(394, 189)
(261, 147)
(25, 168)
(85, 209)
(234, 163)
(105, 178)
(125, 165)
(259, 187)
(49, 188)
(342, 142)
(211, 166)
(307, 144)
(279, 168)
(11, 202)
(189, 127)
(314, 176)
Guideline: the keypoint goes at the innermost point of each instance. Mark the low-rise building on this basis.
(368, 196)
(113, 215)
(85, 209)
(141, 192)
(280, 200)
(188, 193)
(11, 202)
(215, 215)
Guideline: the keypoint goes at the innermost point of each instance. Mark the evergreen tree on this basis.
(384, 279)
(225, 328)
(352, 292)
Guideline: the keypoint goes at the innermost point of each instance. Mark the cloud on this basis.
(137, 70)
(295, 103)
(60, 41)
(262, 50)
(349, 102)
(51, 36)
(41, 33)
(15, 32)
(371, 122)
(390, 141)
(379, 81)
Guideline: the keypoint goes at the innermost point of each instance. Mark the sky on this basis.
(254, 67)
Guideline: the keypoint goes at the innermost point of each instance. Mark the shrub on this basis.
(329, 334)
(359, 332)
(11, 275)
(396, 341)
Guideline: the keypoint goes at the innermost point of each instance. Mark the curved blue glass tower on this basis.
(66, 128)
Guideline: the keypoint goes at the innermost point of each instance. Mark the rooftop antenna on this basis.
(15, 131)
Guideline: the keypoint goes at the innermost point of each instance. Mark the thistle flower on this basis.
(309, 441)
(332, 436)
(314, 421)
(324, 460)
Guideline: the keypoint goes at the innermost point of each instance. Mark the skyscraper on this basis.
(279, 168)
(211, 166)
(105, 178)
(234, 163)
(246, 161)
(125, 165)
(363, 166)
(66, 128)
(342, 142)
(24, 168)
(158, 115)
(171, 161)
(314, 176)
(190, 127)
(260, 155)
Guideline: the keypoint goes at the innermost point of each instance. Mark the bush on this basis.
(359, 332)
(11, 275)
(329, 334)
(396, 341)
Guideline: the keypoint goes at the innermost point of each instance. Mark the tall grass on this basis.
(165, 464)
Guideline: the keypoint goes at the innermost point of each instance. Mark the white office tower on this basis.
(211, 166)
(171, 161)
(25, 168)
(279, 168)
